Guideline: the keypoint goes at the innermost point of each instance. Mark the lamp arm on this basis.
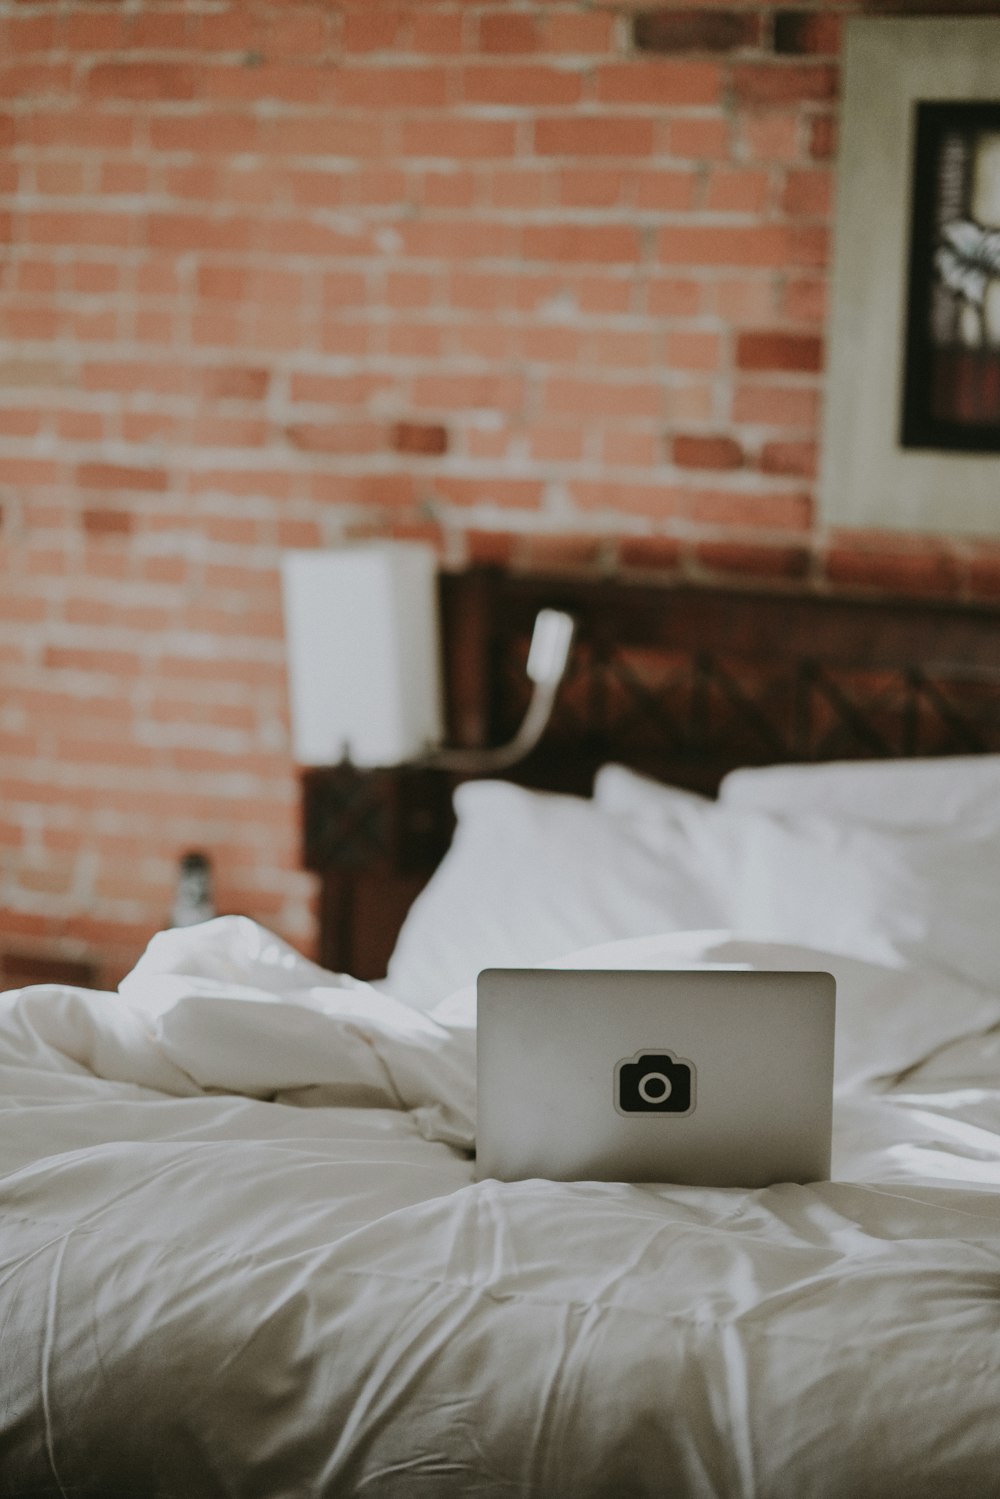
(547, 660)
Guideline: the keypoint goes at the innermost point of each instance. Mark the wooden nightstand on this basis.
(375, 838)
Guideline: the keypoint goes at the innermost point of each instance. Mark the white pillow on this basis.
(924, 896)
(626, 793)
(530, 876)
(890, 793)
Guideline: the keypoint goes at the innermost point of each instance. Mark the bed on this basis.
(242, 1247)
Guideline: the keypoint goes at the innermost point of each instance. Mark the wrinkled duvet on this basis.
(242, 1253)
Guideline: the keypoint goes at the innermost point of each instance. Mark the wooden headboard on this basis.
(680, 682)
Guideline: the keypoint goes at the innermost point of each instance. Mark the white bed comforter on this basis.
(242, 1253)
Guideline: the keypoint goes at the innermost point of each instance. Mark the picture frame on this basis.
(905, 445)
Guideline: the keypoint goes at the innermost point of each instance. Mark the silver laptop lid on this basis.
(712, 1077)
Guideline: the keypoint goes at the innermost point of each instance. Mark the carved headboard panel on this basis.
(683, 683)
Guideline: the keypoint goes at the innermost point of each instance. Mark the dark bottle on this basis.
(193, 897)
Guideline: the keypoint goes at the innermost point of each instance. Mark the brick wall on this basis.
(543, 280)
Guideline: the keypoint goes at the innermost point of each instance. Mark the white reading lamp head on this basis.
(549, 649)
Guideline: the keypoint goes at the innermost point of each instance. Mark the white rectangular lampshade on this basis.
(364, 673)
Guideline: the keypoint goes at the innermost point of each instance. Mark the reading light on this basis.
(547, 658)
(364, 669)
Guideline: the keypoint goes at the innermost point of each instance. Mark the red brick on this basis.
(142, 80)
(696, 451)
(480, 139)
(673, 296)
(414, 437)
(762, 244)
(823, 137)
(690, 401)
(107, 662)
(124, 177)
(112, 230)
(779, 351)
(441, 190)
(762, 403)
(693, 350)
(82, 426)
(762, 84)
(437, 35)
(159, 33)
(367, 28)
(737, 190)
(79, 129)
(744, 301)
(737, 508)
(600, 135)
(808, 193)
(229, 432)
(37, 323)
(108, 522)
(354, 389)
(556, 442)
(516, 187)
(296, 30)
(587, 187)
(930, 570)
(383, 492)
(14, 423)
(447, 238)
(805, 299)
(237, 28)
(208, 133)
(517, 494)
(335, 437)
(772, 135)
(695, 30)
(120, 476)
(508, 32)
(290, 83)
(412, 341)
(660, 554)
(665, 191)
(798, 458)
(656, 500)
(624, 448)
(581, 243)
(97, 31)
(573, 32)
(382, 88)
(603, 295)
(660, 83)
(39, 276)
(490, 548)
(583, 397)
(761, 561)
(625, 348)
(700, 138)
(36, 81)
(562, 553)
(200, 232)
(22, 35)
(520, 85)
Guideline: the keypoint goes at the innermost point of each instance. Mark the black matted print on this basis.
(951, 386)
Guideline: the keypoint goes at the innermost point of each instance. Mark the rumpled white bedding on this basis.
(242, 1253)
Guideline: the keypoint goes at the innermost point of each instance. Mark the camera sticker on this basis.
(654, 1082)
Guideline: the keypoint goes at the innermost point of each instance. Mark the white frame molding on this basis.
(866, 478)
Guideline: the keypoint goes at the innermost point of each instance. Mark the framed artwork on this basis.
(912, 413)
(951, 371)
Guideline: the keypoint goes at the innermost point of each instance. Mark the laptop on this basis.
(708, 1077)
